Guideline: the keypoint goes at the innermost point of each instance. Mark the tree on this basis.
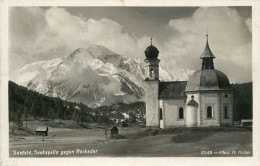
(50, 114)
(132, 118)
(26, 106)
(58, 106)
(18, 118)
(26, 116)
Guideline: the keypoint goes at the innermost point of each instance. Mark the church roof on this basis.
(173, 89)
(207, 52)
(208, 79)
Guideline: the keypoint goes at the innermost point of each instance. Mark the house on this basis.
(114, 131)
(42, 130)
(206, 99)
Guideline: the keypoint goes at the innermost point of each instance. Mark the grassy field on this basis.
(69, 140)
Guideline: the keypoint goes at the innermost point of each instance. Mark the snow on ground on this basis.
(137, 142)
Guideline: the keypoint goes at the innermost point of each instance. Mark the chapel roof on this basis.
(172, 89)
(208, 79)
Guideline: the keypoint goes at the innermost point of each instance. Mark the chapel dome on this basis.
(151, 52)
(208, 79)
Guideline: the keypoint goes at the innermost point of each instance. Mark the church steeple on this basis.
(151, 52)
(152, 62)
(207, 57)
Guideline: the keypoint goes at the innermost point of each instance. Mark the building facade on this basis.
(206, 99)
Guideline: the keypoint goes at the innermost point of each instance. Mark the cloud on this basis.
(64, 29)
(54, 32)
(229, 39)
(61, 33)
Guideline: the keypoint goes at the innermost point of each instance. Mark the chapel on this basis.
(205, 100)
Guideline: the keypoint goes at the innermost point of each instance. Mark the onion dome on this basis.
(151, 52)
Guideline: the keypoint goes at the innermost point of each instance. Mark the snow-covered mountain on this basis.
(93, 75)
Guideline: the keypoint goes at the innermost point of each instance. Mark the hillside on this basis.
(243, 101)
(93, 75)
(27, 104)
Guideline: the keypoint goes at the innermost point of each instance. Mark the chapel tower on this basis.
(152, 86)
(207, 57)
(209, 95)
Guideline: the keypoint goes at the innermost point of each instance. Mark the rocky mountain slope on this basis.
(93, 75)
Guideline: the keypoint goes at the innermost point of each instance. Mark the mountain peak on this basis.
(93, 75)
(91, 52)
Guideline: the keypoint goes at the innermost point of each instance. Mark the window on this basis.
(209, 112)
(181, 113)
(160, 114)
(151, 72)
(226, 112)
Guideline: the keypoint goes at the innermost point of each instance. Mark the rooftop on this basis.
(208, 79)
(172, 89)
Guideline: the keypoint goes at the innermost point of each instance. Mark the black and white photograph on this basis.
(132, 81)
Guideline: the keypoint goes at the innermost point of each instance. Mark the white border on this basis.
(255, 160)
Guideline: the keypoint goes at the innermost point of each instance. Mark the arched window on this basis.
(151, 72)
(226, 112)
(209, 112)
(181, 113)
(160, 114)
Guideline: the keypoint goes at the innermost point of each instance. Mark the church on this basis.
(205, 100)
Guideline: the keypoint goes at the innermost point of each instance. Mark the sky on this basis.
(43, 33)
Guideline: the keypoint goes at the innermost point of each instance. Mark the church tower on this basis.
(209, 94)
(152, 86)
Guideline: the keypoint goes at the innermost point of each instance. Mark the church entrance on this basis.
(191, 119)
